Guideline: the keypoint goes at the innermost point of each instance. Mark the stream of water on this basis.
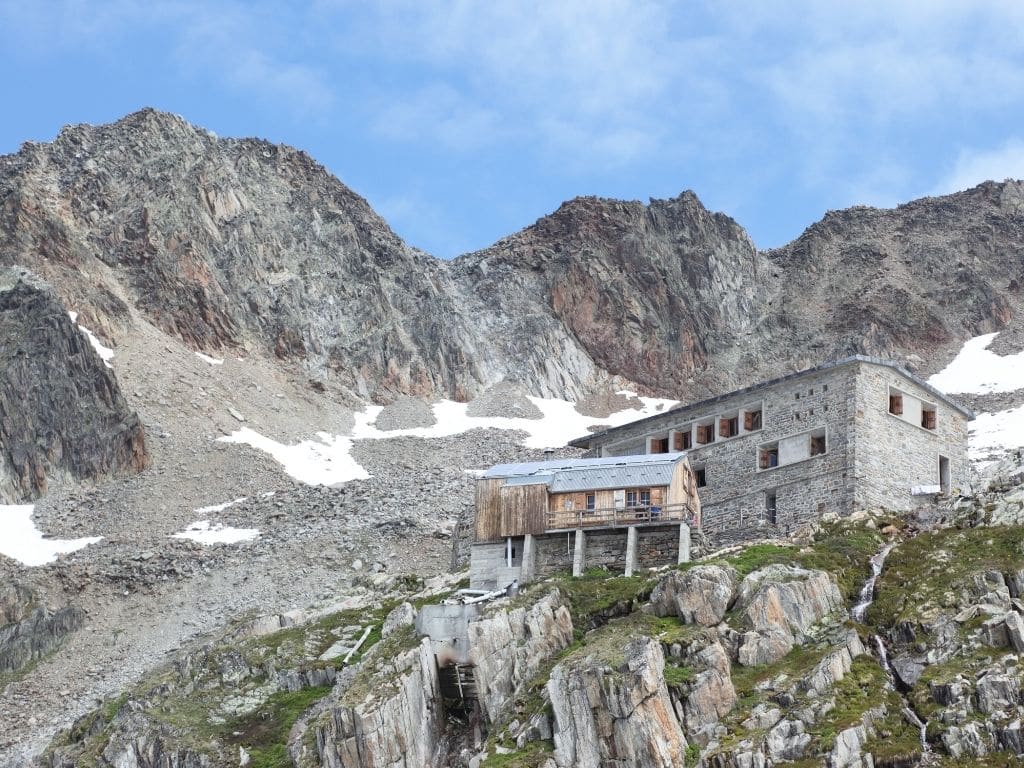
(858, 613)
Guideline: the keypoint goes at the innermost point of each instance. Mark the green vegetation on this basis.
(925, 573)
(531, 755)
(597, 595)
(843, 548)
(264, 732)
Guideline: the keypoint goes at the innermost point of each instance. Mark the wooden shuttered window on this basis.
(724, 429)
(928, 419)
(752, 421)
(896, 404)
(705, 433)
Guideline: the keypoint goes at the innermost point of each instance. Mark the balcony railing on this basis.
(643, 514)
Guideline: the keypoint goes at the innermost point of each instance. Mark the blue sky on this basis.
(462, 122)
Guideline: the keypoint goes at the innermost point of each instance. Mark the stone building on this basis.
(539, 518)
(852, 434)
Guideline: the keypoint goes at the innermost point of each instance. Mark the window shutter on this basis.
(723, 428)
(928, 419)
(764, 459)
(748, 421)
(896, 404)
(678, 439)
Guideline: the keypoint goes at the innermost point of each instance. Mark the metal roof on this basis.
(564, 475)
(672, 415)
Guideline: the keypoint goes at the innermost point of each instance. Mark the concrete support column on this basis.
(631, 554)
(684, 543)
(579, 555)
(529, 566)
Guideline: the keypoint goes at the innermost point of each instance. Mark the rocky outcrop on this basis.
(399, 723)
(28, 629)
(509, 647)
(699, 595)
(615, 715)
(62, 415)
(779, 604)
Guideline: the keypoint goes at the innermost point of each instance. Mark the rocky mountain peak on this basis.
(62, 415)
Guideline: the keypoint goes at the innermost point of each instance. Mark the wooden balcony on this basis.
(613, 517)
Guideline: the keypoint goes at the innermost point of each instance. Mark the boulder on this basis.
(846, 751)
(399, 618)
(712, 695)
(997, 692)
(620, 715)
(698, 595)
(965, 741)
(779, 604)
(787, 741)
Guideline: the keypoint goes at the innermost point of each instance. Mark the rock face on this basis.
(242, 243)
(30, 630)
(399, 727)
(62, 415)
(510, 647)
(615, 716)
(779, 604)
(699, 595)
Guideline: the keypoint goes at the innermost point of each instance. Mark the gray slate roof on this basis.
(569, 475)
(670, 415)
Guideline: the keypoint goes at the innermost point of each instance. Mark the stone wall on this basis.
(554, 553)
(657, 546)
(734, 499)
(891, 454)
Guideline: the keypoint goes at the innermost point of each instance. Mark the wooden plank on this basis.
(487, 524)
(523, 509)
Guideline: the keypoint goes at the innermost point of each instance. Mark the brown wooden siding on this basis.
(487, 526)
(523, 509)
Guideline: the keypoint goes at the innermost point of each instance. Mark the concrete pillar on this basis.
(631, 554)
(529, 566)
(579, 555)
(684, 543)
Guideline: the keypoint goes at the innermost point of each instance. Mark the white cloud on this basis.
(974, 166)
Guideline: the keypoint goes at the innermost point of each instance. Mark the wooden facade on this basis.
(509, 510)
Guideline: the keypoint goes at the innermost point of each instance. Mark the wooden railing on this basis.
(644, 514)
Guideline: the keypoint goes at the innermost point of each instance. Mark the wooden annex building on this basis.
(624, 512)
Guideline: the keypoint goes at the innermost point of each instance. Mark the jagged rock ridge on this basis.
(247, 244)
(62, 414)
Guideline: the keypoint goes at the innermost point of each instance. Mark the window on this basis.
(683, 441)
(928, 417)
(705, 433)
(728, 427)
(770, 507)
(818, 446)
(591, 502)
(752, 421)
(630, 498)
(569, 506)
(896, 403)
(645, 497)
(659, 445)
(701, 476)
(768, 456)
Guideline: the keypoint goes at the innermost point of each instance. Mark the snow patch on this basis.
(106, 353)
(204, 532)
(210, 360)
(219, 507)
(20, 539)
(325, 461)
(977, 370)
(328, 461)
(996, 432)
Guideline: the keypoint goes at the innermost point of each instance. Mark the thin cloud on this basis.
(975, 166)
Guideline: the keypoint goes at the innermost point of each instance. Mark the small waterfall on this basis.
(858, 613)
(867, 592)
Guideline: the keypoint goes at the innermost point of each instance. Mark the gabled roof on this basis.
(568, 475)
(667, 416)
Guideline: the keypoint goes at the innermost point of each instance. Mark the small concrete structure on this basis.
(538, 518)
(857, 433)
(447, 626)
